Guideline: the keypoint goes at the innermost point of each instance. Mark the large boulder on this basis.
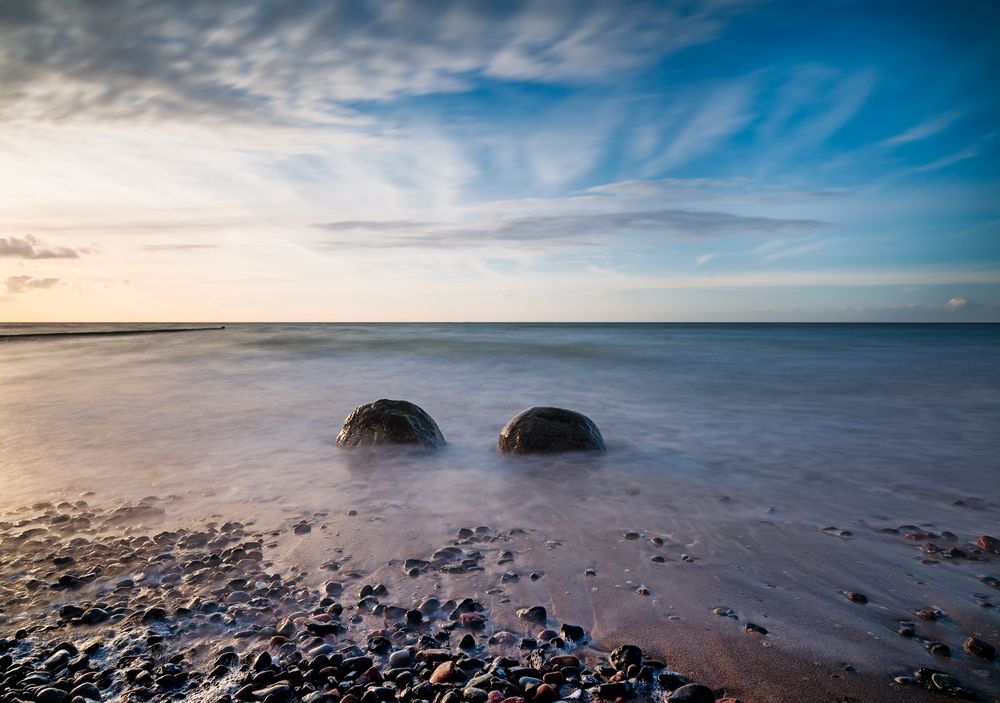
(389, 422)
(547, 430)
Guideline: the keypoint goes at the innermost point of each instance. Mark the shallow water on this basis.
(737, 443)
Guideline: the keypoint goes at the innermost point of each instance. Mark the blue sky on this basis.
(698, 160)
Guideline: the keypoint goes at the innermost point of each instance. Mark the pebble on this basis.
(535, 613)
(979, 648)
(260, 632)
(988, 544)
(939, 649)
(692, 693)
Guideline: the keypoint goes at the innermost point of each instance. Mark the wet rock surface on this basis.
(389, 422)
(544, 430)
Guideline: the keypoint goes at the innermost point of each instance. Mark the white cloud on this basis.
(956, 303)
(703, 259)
(298, 62)
(923, 130)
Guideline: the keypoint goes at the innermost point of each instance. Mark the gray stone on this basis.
(548, 430)
(389, 422)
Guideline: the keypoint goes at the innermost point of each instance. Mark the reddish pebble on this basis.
(443, 672)
(473, 620)
(989, 544)
(545, 694)
(495, 697)
(513, 699)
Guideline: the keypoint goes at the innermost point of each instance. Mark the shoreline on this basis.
(211, 589)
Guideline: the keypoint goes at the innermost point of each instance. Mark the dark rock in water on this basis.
(979, 648)
(544, 430)
(939, 649)
(625, 656)
(86, 690)
(51, 695)
(389, 422)
(94, 616)
(692, 693)
(988, 544)
(940, 681)
(535, 613)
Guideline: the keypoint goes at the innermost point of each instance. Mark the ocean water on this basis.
(904, 408)
(738, 445)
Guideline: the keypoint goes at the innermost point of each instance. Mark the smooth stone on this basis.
(50, 695)
(692, 693)
(86, 690)
(400, 659)
(535, 613)
(389, 422)
(546, 430)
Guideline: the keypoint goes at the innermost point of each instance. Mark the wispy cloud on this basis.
(177, 247)
(301, 62)
(718, 115)
(923, 130)
(592, 228)
(22, 284)
(946, 161)
(813, 104)
(29, 247)
(785, 250)
(703, 259)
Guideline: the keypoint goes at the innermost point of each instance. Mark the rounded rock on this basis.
(549, 430)
(389, 422)
(692, 693)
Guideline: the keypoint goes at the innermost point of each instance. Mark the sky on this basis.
(386, 160)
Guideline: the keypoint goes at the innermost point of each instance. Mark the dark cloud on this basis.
(23, 284)
(296, 60)
(584, 228)
(29, 247)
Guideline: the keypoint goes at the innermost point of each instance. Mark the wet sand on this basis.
(682, 598)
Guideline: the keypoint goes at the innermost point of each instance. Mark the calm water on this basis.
(916, 406)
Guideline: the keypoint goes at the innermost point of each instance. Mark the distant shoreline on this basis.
(105, 333)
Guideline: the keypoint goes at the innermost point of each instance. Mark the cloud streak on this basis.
(29, 247)
(177, 247)
(22, 284)
(594, 228)
(923, 130)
